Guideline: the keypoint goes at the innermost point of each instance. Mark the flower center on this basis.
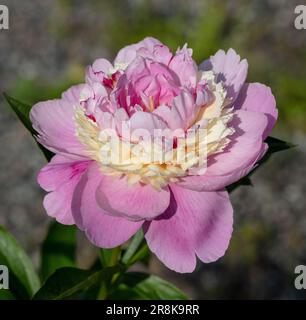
(164, 156)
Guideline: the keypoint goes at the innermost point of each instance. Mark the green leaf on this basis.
(142, 254)
(59, 249)
(137, 285)
(23, 280)
(22, 111)
(73, 283)
(136, 242)
(245, 181)
(108, 258)
(137, 250)
(6, 295)
(275, 145)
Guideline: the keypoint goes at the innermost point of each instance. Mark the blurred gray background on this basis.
(45, 51)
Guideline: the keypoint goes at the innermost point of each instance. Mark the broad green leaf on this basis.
(23, 280)
(22, 111)
(59, 249)
(137, 285)
(73, 283)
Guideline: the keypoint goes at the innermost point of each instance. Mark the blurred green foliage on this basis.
(250, 27)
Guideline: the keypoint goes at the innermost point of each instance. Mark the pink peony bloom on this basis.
(182, 206)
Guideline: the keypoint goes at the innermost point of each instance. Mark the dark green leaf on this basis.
(96, 265)
(72, 283)
(245, 181)
(276, 145)
(58, 249)
(23, 280)
(136, 285)
(22, 111)
(6, 295)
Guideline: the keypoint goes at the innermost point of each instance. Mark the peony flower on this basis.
(179, 199)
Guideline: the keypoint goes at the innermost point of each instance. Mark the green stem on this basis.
(110, 257)
(136, 251)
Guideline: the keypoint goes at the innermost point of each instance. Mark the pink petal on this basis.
(60, 177)
(72, 95)
(53, 121)
(212, 182)
(135, 202)
(258, 98)
(128, 53)
(181, 113)
(249, 128)
(159, 53)
(245, 149)
(229, 69)
(101, 65)
(196, 223)
(98, 71)
(147, 121)
(101, 229)
(185, 67)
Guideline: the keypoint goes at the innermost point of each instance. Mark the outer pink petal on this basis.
(72, 95)
(212, 182)
(135, 202)
(128, 53)
(196, 223)
(245, 149)
(249, 129)
(101, 229)
(258, 98)
(159, 53)
(60, 177)
(53, 121)
(229, 69)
